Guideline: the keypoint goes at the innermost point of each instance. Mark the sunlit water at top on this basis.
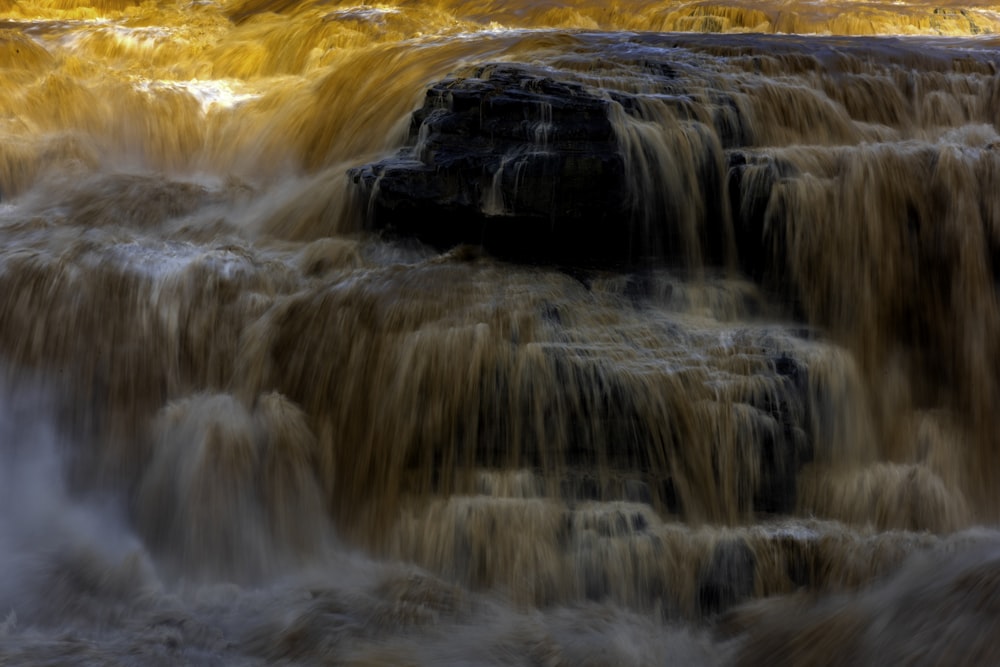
(238, 426)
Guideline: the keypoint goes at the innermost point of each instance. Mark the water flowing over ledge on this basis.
(506, 333)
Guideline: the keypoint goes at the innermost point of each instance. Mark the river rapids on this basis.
(240, 425)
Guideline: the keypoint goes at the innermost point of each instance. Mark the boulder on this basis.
(533, 166)
(728, 578)
(511, 159)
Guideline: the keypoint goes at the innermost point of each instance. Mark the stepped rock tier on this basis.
(564, 166)
(531, 332)
(523, 164)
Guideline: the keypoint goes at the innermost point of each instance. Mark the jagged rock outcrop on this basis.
(533, 165)
(533, 168)
(520, 163)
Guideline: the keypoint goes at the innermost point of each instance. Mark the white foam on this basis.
(212, 94)
(363, 13)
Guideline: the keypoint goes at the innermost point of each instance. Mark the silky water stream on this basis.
(238, 426)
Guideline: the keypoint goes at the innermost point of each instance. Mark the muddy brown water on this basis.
(237, 428)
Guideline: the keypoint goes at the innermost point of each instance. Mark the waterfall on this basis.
(499, 333)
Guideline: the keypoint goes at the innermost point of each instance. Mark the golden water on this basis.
(237, 427)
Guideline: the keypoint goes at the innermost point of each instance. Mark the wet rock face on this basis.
(533, 167)
(728, 578)
(520, 163)
(536, 167)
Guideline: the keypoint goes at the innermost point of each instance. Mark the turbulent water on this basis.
(239, 427)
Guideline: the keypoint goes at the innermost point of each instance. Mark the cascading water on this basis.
(746, 417)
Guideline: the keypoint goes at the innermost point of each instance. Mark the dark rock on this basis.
(728, 579)
(752, 180)
(531, 167)
(783, 453)
(637, 491)
(528, 164)
(788, 446)
(523, 164)
(585, 413)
